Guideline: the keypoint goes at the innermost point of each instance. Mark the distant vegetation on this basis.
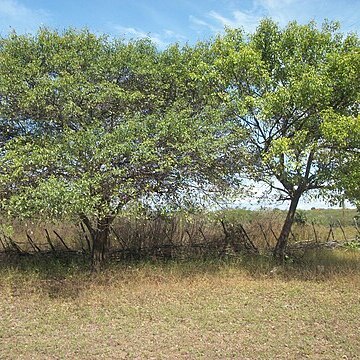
(324, 217)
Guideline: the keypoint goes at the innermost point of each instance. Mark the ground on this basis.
(239, 309)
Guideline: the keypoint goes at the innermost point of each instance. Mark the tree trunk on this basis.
(100, 243)
(100, 240)
(279, 251)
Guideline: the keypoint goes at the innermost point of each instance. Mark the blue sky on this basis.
(167, 21)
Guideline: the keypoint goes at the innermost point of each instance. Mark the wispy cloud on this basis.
(275, 4)
(162, 39)
(281, 11)
(303, 11)
(246, 20)
(15, 15)
(215, 21)
(170, 34)
(201, 23)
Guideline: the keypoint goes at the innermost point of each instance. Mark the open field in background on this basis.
(239, 307)
(202, 235)
(319, 216)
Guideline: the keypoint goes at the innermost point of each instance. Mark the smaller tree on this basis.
(281, 85)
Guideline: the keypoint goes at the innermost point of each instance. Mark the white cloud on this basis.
(239, 18)
(200, 23)
(162, 39)
(14, 15)
(281, 11)
(132, 33)
(303, 11)
(215, 22)
(275, 4)
(169, 34)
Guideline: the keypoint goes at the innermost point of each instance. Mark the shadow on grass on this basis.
(68, 275)
(327, 262)
(60, 275)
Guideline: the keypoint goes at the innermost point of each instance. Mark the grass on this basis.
(331, 216)
(243, 308)
(185, 236)
(323, 217)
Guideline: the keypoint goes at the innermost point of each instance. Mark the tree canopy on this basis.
(102, 125)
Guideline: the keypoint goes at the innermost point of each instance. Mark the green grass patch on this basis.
(323, 217)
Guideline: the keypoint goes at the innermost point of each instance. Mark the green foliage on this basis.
(105, 125)
(95, 172)
(300, 217)
(331, 216)
(6, 229)
(282, 83)
(72, 79)
(352, 245)
(343, 132)
(323, 217)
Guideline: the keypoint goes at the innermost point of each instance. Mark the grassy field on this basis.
(243, 308)
(323, 217)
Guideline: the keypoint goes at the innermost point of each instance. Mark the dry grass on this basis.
(180, 236)
(244, 308)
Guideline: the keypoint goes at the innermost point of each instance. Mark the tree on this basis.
(105, 126)
(281, 84)
(343, 133)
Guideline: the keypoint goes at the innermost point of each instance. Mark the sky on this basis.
(166, 21)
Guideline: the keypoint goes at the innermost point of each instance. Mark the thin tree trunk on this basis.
(280, 248)
(99, 234)
(100, 243)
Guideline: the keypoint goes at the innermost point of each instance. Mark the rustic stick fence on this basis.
(172, 238)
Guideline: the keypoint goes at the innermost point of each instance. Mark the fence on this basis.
(174, 237)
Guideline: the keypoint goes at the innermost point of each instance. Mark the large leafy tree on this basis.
(281, 85)
(105, 125)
